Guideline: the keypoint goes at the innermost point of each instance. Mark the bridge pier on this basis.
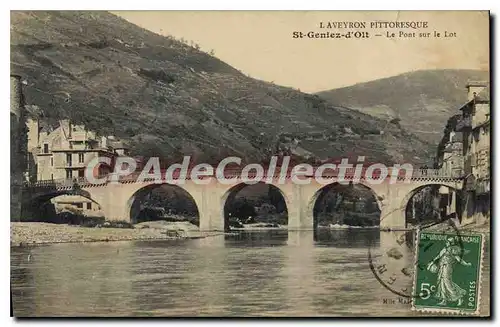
(301, 238)
(300, 212)
(116, 211)
(112, 199)
(210, 203)
(211, 221)
(392, 203)
(392, 217)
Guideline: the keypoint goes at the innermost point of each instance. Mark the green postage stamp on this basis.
(448, 272)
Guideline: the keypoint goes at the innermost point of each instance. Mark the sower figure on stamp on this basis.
(443, 263)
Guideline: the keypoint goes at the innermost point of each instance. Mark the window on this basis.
(81, 173)
(79, 205)
(81, 157)
(68, 159)
(45, 148)
(51, 176)
(68, 173)
(52, 161)
(89, 206)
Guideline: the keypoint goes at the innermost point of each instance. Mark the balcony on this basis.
(464, 123)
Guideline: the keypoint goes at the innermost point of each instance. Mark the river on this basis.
(266, 273)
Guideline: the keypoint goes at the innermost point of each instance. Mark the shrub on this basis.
(91, 221)
(101, 44)
(157, 75)
(81, 220)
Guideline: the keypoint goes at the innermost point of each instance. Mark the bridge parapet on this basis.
(426, 174)
(435, 173)
(61, 184)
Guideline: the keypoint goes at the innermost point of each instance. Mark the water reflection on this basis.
(264, 238)
(350, 238)
(68, 279)
(272, 273)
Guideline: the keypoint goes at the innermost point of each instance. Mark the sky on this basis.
(260, 43)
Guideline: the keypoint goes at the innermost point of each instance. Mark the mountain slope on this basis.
(423, 100)
(169, 99)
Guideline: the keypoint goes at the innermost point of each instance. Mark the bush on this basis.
(91, 221)
(157, 75)
(70, 218)
(101, 44)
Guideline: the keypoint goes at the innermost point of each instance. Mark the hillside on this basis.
(423, 100)
(170, 99)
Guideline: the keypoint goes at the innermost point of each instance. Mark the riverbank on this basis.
(34, 233)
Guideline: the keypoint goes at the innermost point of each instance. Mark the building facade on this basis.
(475, 128)
(63, 153)
(452, 160)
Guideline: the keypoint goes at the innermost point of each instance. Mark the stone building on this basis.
(452, 160)
(475, 128)
(64, 152)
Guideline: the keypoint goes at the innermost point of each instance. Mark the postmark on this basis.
(393, 263)
(393, 267)
(448, 273)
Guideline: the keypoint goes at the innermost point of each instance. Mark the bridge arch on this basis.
(275, 194)
(320, 196)
(411, 193)
(36, 207)
(133, 205)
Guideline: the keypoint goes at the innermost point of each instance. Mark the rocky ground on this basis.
(29, 233)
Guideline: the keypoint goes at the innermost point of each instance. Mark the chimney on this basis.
(474, 88)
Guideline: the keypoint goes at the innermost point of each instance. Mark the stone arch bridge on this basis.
(116, 199)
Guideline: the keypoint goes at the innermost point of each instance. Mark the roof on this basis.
(463, 106)
(483, 96)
